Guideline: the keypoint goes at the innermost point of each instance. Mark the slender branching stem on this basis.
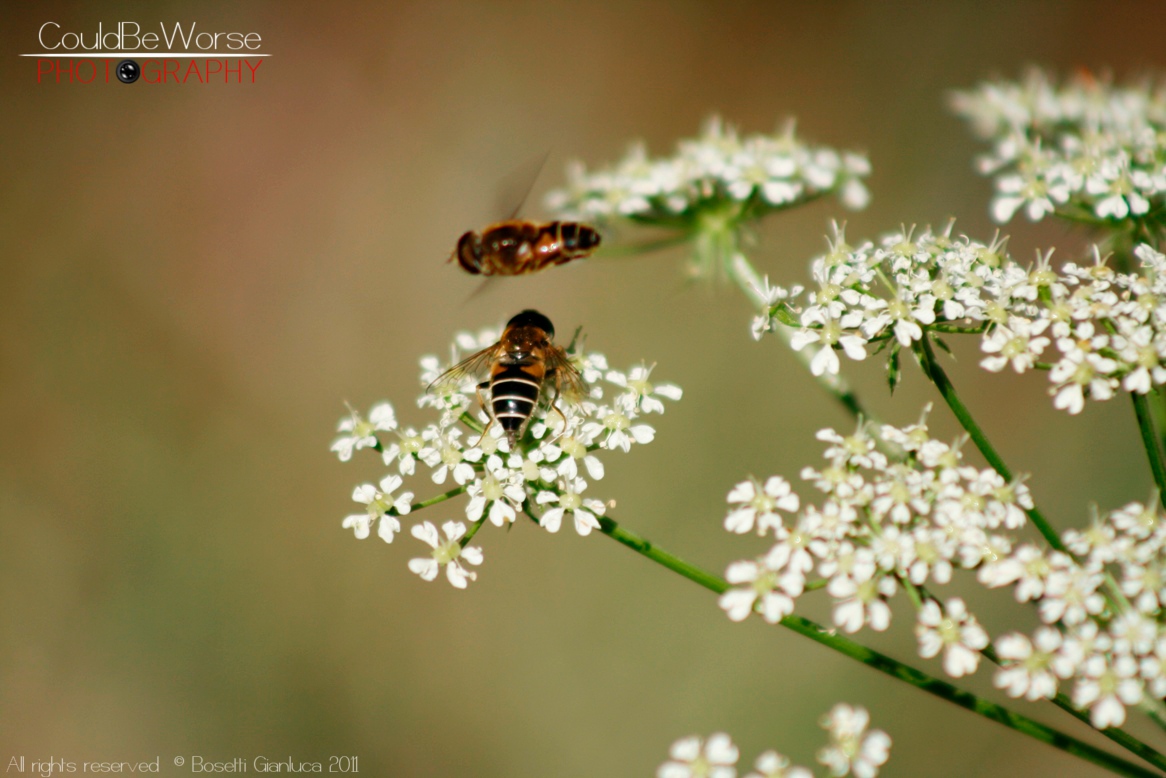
(908, 674)
(938, 376)
(1150, 441)
(434, 500)
(473, 530)
(746, 278)
(1158, 406)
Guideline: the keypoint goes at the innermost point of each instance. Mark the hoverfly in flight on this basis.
(517, 247)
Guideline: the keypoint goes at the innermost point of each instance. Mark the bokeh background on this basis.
(194, 279)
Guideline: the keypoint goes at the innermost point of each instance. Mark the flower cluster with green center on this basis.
(1109, 326)
(1086, 150)
(908, 521)
(545, 475)
(1101, 602)
(886, 523)
(712, 186)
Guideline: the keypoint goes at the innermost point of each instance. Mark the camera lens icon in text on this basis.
(128, 71)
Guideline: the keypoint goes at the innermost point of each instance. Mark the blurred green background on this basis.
(193, 279)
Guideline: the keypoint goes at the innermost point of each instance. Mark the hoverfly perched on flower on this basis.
(516, 247)
(520, 366)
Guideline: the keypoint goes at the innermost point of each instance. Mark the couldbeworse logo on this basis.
(127, 52)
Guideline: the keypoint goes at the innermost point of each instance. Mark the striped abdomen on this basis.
(560, 242)
(516, 247)
(514, 393)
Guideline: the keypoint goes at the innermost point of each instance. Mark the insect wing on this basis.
(473, 367)
(517, 186)
(571, 384)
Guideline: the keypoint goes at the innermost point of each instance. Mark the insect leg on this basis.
(481, 402)
(555, 407)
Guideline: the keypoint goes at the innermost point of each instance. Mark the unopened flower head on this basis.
(546, 475)
(1087, 149)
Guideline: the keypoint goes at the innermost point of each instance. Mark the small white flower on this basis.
(1137, 520)
(953, 631)
(693, 757)
(360, 433)
(583, 511)
(1107, 686)
(404, 451)
(448, 553)
(378, 503)
(575, 449)
(758, 505)
(768, 590)
(501, 491)
(1071, 594)
(618, 430)
(1133, 633)
(771, 764)
(1017, 344)
(861, 594)
(1086, 141)
(446, 454)
(1030, 669)
(826, 327)
(641, 393)
(853, 749)
(1027, 566)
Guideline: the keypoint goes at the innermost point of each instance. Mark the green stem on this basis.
(746, 278)
(958, 329)
(468, 420)
(473, 530)
(1062, 700)
(938, 377)
(1159, 415)
(1154, 709)
(917, 678)
(1150, 441)
(437, 498)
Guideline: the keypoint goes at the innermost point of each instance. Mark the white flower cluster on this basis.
(853, 750)
(1086, 150)
(890, 292)
(1104, 626)
(546, 476)
(718, 172)
(884, 524)
(1109, 327)
(888, 524)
